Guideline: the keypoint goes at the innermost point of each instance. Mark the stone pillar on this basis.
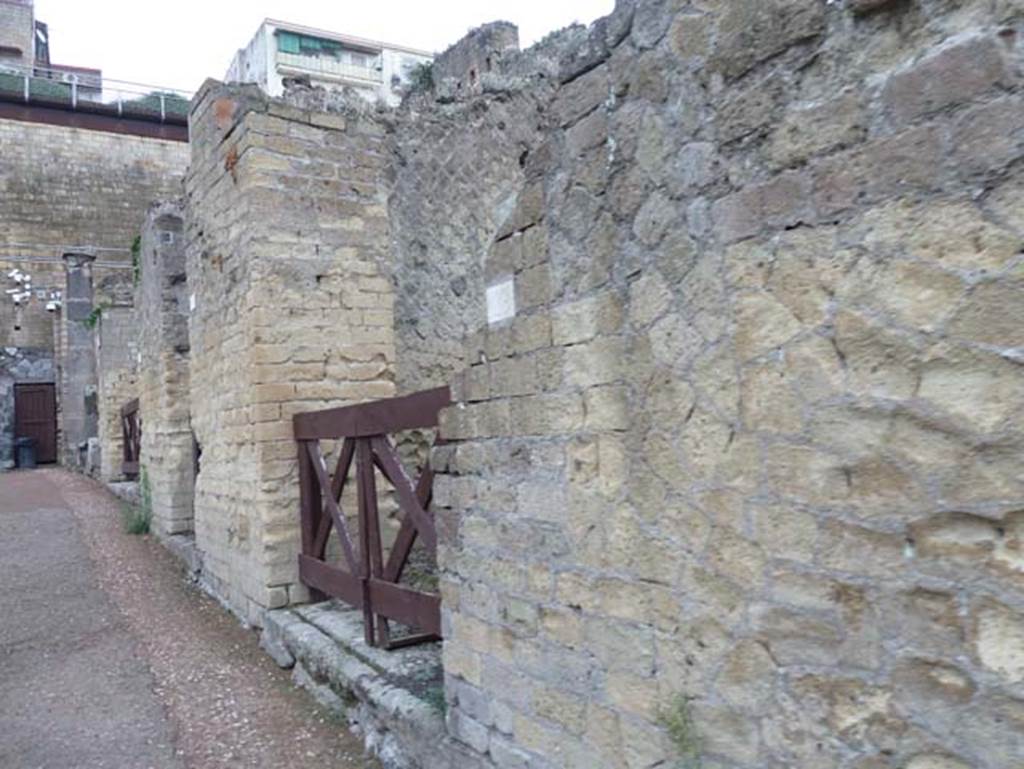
(78, 364)
(291, 310)
(161, 302)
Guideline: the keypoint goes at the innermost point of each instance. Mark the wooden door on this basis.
(35, 416)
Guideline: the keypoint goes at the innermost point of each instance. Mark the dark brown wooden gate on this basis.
(35, 416)
(366, 580)
(131, 438)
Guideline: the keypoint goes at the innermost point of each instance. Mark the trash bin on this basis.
(25, 452)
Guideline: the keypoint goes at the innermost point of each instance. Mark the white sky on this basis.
(179, 43)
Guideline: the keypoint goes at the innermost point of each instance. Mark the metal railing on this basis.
(328, 66)
(69, 89)
(365, 579)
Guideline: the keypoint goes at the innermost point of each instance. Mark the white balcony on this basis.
(327, 67)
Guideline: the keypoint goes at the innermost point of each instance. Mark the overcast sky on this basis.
(179, 43)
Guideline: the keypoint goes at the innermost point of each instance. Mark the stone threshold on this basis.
(393, 699)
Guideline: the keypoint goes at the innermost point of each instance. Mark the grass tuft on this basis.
(135, 519)
(677, 720)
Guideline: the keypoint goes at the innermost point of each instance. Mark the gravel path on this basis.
(208, 697)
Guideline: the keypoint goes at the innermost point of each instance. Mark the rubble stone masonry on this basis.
(739, 485)
(286, 248)
(733, 477)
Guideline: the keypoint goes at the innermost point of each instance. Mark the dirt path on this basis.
(207, 696)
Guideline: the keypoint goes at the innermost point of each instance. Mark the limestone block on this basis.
(981, 390)
(936, 761)
(953, 74)
(988, 314)
(907, 162)
(952, 234)
(582, 320)
(988, 137)
(999, 640)
(751, 31)
(762, 324)
(810, 129)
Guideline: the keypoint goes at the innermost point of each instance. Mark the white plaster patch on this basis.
(191, 302)
(501, 301)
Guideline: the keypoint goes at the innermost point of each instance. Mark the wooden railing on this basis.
(131, 433)
(365, 579)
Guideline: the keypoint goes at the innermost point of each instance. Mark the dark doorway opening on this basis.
(35, 416)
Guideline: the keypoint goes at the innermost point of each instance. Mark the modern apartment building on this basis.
(281, 50)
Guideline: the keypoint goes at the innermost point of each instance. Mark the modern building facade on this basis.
(280, 51)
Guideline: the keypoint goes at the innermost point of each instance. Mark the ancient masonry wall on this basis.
(162, 304)
(117, 370)
(740, 481)
(62, 188)
(286, 238)
(439, 242)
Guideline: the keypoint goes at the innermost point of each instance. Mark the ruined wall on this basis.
(286, 235)
(443, 157)
(66, 188)
(117, 352)
(741, 478)
(162, 305)
(461, 69)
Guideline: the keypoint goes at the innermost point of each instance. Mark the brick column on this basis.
(291, 311)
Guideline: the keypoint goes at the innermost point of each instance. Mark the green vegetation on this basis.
(134, 519)
(93, 318)
(677, 719)
(48, 90)
(137, 520)
(434, 697)
(137, 260)
(422, 76)
(150, 104)
(39, 87)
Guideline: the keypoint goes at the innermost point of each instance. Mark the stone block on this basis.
(750, 31)
(998, 637)
(956, 73)
(988, 137)
(817, 128)
(584, 319)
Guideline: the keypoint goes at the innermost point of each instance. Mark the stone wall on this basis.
(162, 304)
(739, 483)
(62, 189)
(463, 67)
(446, 157)
(117, 352)
(728, 296)
(68, 190)
(287, 239)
